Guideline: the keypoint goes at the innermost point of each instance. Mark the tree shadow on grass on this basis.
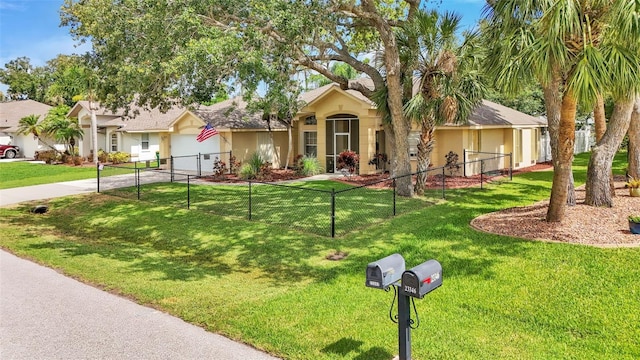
(191, 244)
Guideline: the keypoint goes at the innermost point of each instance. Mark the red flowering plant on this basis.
(348, 160)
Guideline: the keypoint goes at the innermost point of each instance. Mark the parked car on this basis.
(9, 151)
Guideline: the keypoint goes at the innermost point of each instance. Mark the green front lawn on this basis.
(502, 298)
(23, 173)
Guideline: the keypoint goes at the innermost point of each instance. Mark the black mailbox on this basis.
(384, 272)
(422, 279)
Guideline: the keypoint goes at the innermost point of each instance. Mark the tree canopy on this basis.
(157, 52)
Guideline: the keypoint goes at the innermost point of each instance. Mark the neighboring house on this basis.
(10, 114)
(174, 133)
(335, 120)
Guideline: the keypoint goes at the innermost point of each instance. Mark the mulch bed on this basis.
(381, 181)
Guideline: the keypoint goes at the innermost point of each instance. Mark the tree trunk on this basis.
(599, 118)
(633, 154)
(401, 127)
(94, 130)
(600, 127)
(290, 147)
(598, 190)
(425, 147)
(562, 162)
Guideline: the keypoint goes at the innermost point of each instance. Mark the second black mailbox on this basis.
(422, 279)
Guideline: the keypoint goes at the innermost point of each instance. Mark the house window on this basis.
(145, 142)
(311, 120)
(114, 142)
(414, 139)
(310, 143)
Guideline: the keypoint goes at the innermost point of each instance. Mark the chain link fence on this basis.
(336, 212)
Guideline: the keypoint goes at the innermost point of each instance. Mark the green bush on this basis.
(308, 166)
(103, 157)
(255, 161)
(247, 172)
(118, 157)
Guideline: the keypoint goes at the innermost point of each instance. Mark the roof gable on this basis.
(12, 111)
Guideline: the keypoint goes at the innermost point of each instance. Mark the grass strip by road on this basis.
(273, 288)
(24, 173)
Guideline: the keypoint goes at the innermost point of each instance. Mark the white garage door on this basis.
(185, 150)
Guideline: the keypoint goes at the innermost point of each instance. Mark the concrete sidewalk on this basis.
(45, 315)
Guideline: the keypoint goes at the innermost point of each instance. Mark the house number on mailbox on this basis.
(410, 289)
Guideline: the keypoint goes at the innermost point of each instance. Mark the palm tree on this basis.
(448, 83)
(30, 124)
(67, 133)
(634, 141)
(573, 49)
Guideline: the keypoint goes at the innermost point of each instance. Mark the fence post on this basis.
(511, 166)
(98, 175)
(137, 177)
(444, 183)
(481, 173)
(333, 213)
(199, 165)
(464, 164)
(394, 196)
(249, 199)
(171, 168)
(188, 192)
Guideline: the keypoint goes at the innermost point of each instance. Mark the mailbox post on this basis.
(413, 283)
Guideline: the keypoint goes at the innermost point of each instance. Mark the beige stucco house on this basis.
(334, 120)
(331, 121)
(10, 114)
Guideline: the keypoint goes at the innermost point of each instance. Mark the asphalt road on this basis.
(45, 315)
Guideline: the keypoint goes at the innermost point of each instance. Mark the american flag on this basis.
(206, 133)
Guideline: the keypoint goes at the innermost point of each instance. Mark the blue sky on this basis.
(31, 28)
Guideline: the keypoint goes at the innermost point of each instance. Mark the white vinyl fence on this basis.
(584, 142)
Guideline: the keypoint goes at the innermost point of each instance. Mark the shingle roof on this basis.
(11, 112)
(233, 114)
(139, 119)
(490, 113)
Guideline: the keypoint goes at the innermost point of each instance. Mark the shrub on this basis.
(633, 183)
(308, 166)
(297, 161)
(78, 160)
(265, 172)
(118, 157)
(348, 160)
(255, 161)
(219, 167)
(103, 157)
(247, 172)
(48, 156)
(452, 163)
(234, 165)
